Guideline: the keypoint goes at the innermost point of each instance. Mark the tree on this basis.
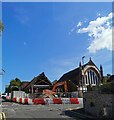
(106, 78)
(15, 82)
(14, 85)
(1, 26)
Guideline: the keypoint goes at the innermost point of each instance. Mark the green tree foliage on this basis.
(1, 26)
(14, 85)
(15, 82)
(107, 88)
(106, 78)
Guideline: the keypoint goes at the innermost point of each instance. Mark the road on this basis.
(15, 110)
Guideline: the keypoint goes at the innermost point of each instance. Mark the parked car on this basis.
(4, 95)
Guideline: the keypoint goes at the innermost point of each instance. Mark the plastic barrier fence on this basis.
(74, 101)
(48, 100)
(39, 101)
(30, 101)
(25, 100)
(44, 101)
(17, 100)
(14, 99)
(20, 100)
(57, 101)
(65, 100)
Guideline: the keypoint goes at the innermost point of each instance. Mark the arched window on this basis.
(91, 77)
(86, 79)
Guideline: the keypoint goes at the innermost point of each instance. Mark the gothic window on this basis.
(96, 80)
(88, 76)
(86, 79)
(91, 77)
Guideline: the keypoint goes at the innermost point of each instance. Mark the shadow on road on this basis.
(4, 100)
(78, 114)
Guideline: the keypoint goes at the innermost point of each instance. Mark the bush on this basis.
(107, 88)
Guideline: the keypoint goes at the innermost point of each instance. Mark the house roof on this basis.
(24, 84)
(41, 79)
(54, 82)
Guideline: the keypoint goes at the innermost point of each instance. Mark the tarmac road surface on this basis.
(15, 110)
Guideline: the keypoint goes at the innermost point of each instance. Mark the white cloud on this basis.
(100, 32)
(79, 24)
(74, 28)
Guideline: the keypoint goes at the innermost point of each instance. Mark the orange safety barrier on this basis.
(57, 101)
(74, 101)
(26, 100)
(39, 101)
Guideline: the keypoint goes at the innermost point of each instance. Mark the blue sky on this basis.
(49, 37)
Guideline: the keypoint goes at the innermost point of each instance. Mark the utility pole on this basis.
(1, 73)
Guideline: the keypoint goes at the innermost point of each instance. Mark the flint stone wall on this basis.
(99, 105)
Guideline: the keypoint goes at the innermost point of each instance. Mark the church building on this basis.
(85, 75)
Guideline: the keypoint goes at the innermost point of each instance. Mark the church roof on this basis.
(71, 75)
(74, 75)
